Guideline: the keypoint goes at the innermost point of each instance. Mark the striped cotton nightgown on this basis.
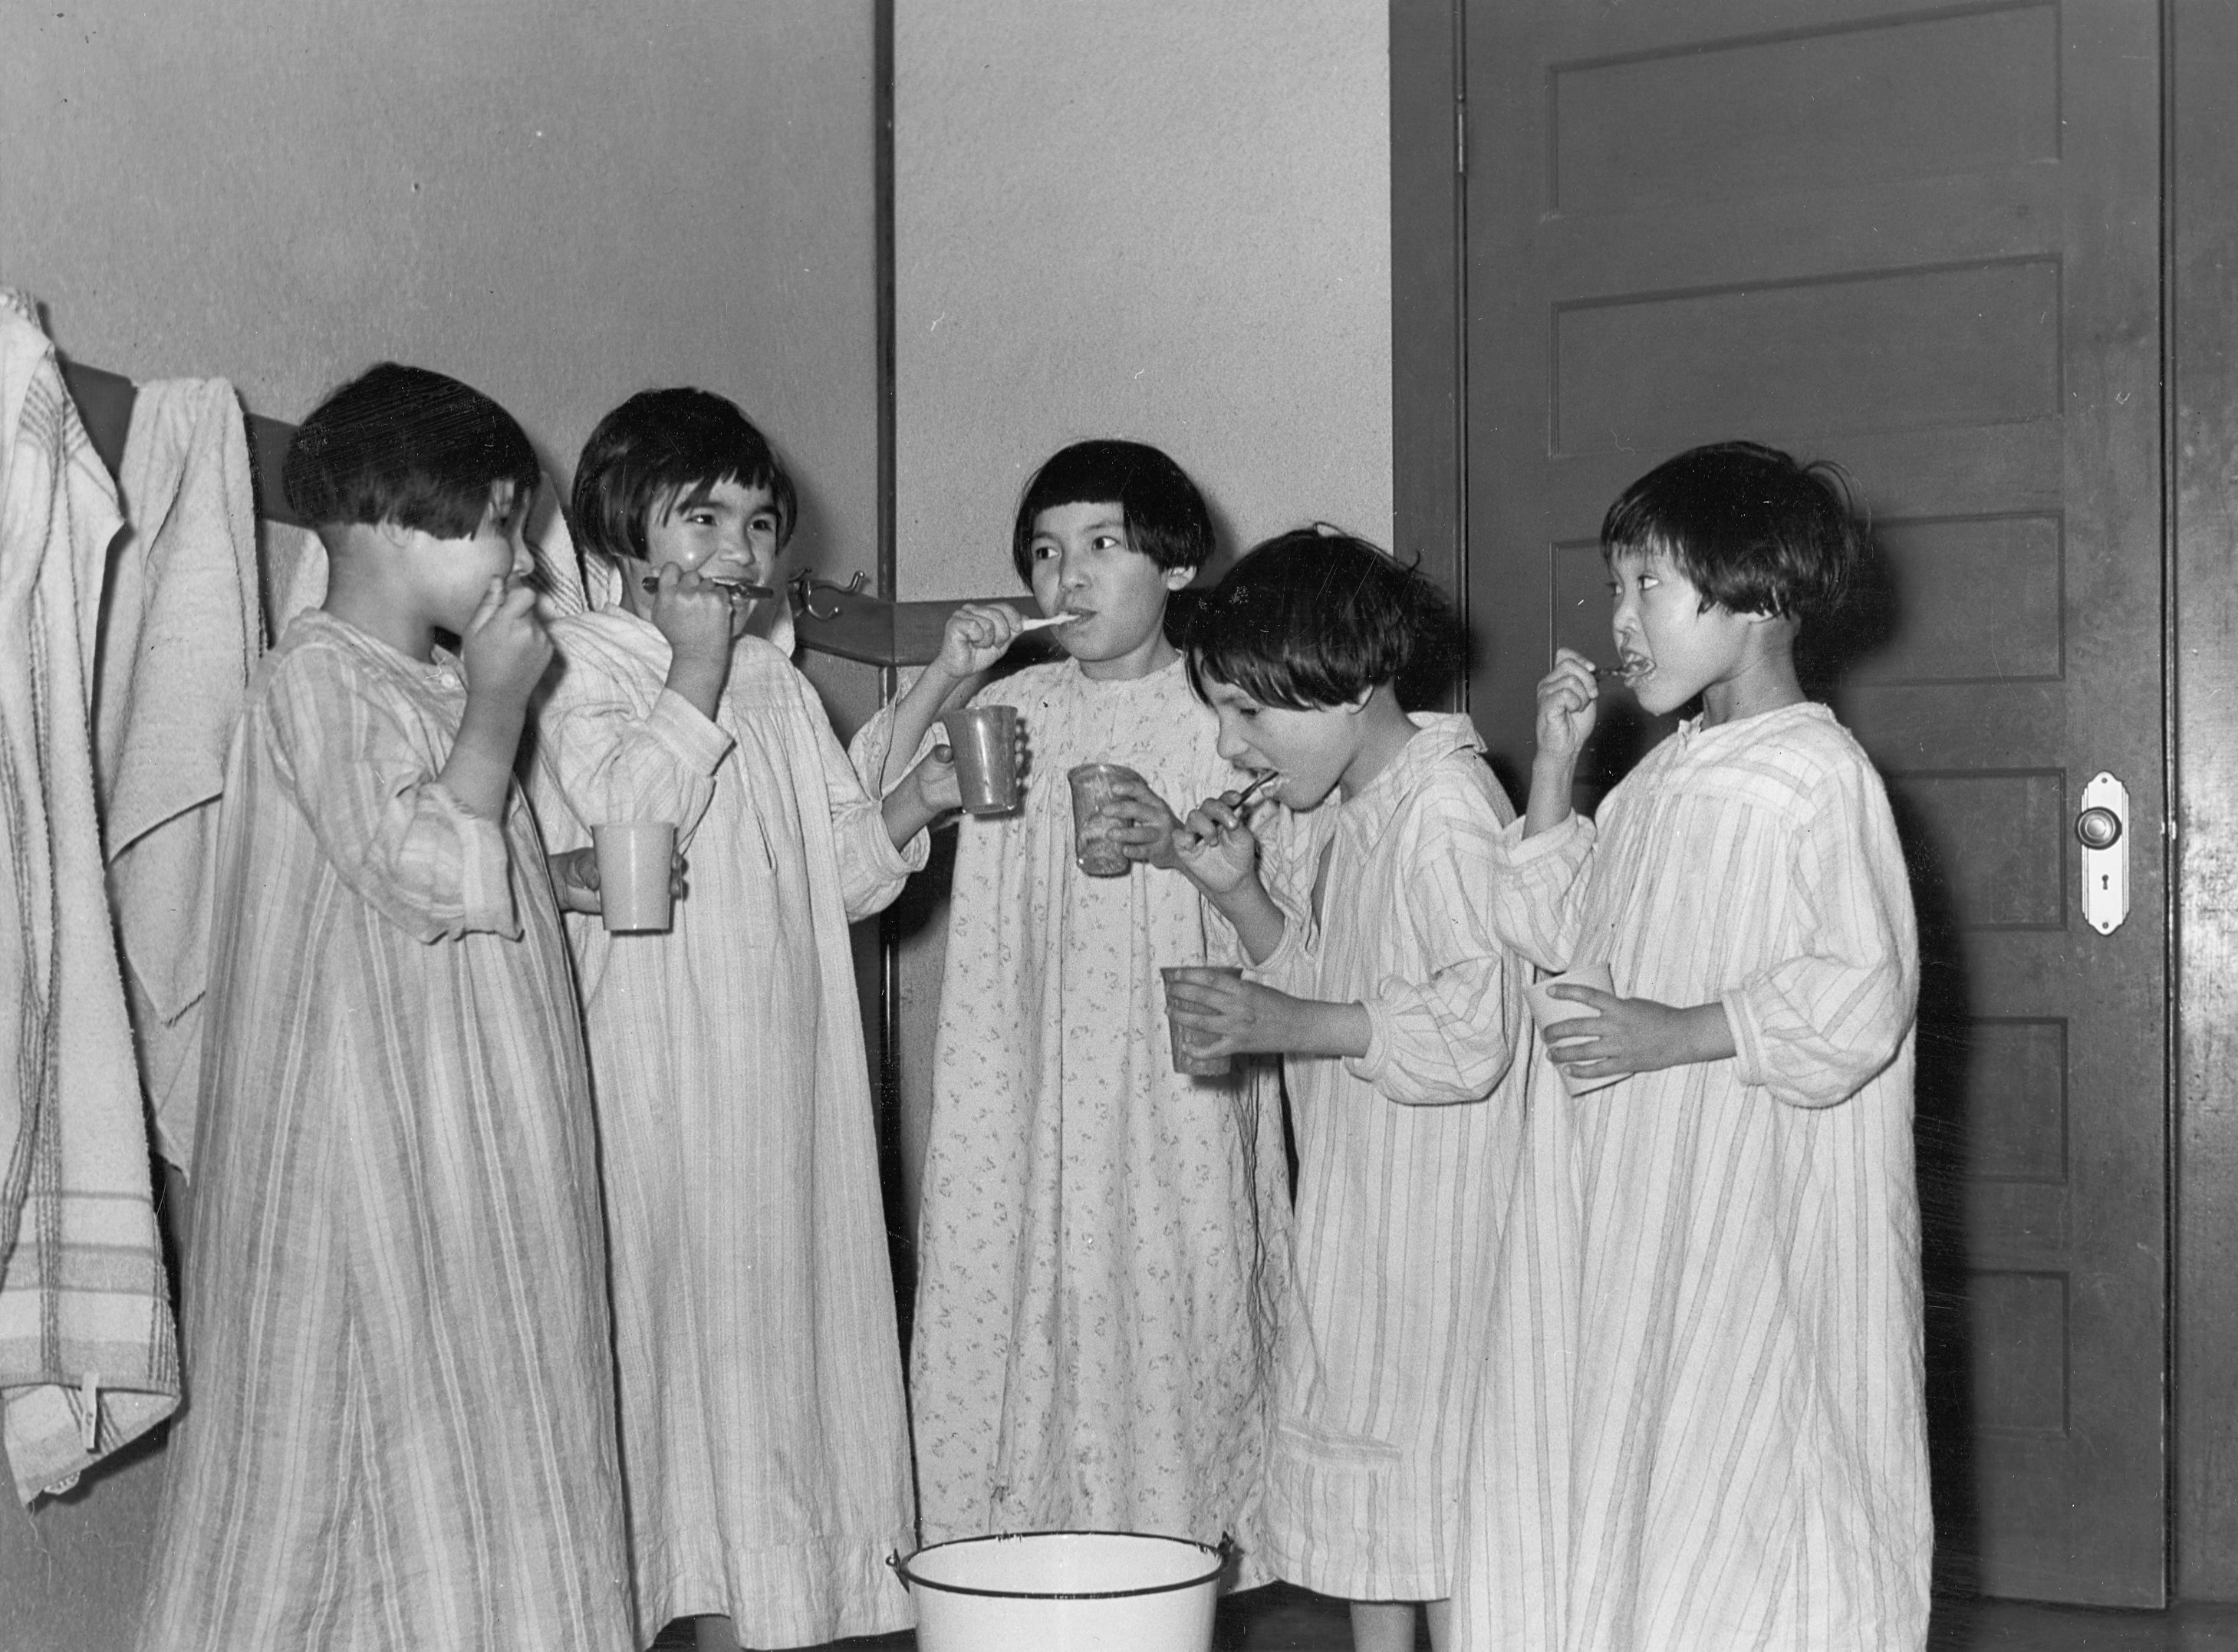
(1405, 1158)
(399, 1429)
(1702, 1429)
(765, 1450)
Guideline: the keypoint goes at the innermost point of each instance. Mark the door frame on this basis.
(2200, 390)
(2200, 549)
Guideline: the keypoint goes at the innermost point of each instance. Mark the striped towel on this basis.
(89, 1356)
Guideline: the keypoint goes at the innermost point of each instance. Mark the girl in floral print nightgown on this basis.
(1099, 1234)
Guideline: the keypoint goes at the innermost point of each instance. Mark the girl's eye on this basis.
(1043, 552)
(1109, 542)
(762, 525)
(1648, 582)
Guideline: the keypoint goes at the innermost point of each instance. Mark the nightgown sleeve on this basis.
(1537, 885)
(871, 870)
(867, 751)
(1447, 1032)
(1813, 1028)
(608, 761)
(393, 832)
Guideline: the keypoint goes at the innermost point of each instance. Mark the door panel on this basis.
(1923, 243)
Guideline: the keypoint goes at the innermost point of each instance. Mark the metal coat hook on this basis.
(804, 585)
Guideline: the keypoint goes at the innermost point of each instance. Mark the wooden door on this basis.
(1922, 241)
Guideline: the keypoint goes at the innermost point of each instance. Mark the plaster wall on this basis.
(559, 204)
(1163, 220)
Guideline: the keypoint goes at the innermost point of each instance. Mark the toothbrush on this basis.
(736, 587)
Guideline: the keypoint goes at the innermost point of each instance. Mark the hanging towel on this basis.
(180, 634)
(89, 1356)
(295, 565)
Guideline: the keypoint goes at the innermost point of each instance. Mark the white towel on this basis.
(89, 1356)
(295, 565)
(180, 634)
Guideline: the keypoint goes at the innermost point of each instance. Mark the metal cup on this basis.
(1096, 847)
(1185, 1060)
(984, 740)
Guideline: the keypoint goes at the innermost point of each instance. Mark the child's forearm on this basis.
(1552, 779)
(700, 681)
(479, 772)
(1706, 1034)
(1259, 923)
(934, 692)
(1319, 1027)
(906, 810)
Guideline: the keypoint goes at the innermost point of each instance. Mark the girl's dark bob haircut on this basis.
(649, 452)
(1166, 516)
(1755, 532)
(405, 446)
(1315, 618)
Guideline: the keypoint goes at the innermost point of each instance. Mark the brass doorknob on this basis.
(2098, 829)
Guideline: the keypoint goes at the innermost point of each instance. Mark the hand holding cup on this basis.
(1097, 849)
(1188, 1021)
(984, 742)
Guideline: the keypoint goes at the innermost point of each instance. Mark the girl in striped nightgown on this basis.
(1379, 980)
(765, 1452)
(400, 1426)
(1702, 1429)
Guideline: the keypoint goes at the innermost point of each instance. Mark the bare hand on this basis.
(504, 650)
(1215, 849)
(1568, 700)
(977, 635)
(575, 879)
(1149, 833)
(1611, 1037)
(935, 783)
(1225, 1015)
(699, 618)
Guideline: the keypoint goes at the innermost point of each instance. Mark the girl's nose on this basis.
(523, 563)
(1070, 574)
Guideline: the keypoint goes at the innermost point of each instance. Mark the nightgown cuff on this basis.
(484, 871)
(1288, 955)
(1511, 849)
(698, 742)
(879, 853)
(1369, 1067)
(1749, 1062)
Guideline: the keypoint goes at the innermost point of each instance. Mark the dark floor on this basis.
(1282, 1619)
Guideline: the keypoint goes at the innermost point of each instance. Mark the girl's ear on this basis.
(1176, 578)
(1358, 702)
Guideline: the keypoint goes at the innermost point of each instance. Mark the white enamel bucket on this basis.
(1065, 1591)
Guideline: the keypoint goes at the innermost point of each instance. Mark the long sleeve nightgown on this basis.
(399, 1432)
(765, 1450)
(1405, 1158)
(1100, 1237)
(1703, 1429)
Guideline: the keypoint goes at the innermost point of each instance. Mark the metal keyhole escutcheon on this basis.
(2102, 826)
